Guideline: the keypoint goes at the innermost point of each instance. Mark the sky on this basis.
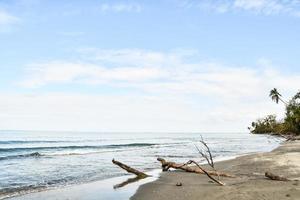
(143, 65)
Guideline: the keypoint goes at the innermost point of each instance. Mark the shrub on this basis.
(289, 125)
(292, 118)
(265, 125)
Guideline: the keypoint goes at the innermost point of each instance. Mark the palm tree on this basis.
(276, 96)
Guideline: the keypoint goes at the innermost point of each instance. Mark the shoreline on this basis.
(137, 190)
(155, 174)
(109, 183)
(250, 182)
(102, 189)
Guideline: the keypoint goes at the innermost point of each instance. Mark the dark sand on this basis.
(250, 182)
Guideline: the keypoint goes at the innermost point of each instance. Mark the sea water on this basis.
(34, 160)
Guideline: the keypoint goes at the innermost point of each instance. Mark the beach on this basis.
(31, 162)
(149, 100)
(250, 182)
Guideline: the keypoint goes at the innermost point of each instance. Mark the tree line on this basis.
(290, 124)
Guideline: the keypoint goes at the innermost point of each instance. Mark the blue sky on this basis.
(144, 65)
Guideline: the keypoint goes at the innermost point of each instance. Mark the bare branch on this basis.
(204, 156)
(206, 172)
(211, 161)
(167, 165)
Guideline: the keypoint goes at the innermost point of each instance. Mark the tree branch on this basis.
(167, 165)
(206, 172)
(138, 173)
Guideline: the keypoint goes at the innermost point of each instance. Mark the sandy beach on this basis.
(149, 100)
(250, 182)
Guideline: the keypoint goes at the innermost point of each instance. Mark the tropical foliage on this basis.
(289, 125)
(276, 96)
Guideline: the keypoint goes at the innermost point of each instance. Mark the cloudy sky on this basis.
(143, 65)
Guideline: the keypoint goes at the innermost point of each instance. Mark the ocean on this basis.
(35, 160)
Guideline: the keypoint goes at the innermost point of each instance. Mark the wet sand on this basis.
(250, 182)
(98, 190)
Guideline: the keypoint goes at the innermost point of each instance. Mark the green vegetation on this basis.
(276, 96)
(289, 125)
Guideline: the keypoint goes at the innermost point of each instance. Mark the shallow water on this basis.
(98, 190)
(41, 160)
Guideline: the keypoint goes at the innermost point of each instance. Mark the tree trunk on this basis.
(138, 173)
(167, 165)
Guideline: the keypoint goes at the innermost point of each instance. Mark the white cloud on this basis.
(58, 111)
(265, 7)
(120, 7)
(170, 72)
(253, 4)
(176, 93)
(87, 112)
(7, 19)
(64, 72)
(220, 99)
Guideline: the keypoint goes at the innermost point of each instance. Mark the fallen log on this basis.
(205, 172)
(289, 136)
(293, 138)
(275, 177)
(167, 165)
(138, 173)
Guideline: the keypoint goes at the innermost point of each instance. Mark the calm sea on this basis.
(39, 160)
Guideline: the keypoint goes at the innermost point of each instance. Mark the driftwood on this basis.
(275, 177)
(288, 137)
(293, 138)
(167, 165)
(209, 157)
(138, 173)
(207, 173)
